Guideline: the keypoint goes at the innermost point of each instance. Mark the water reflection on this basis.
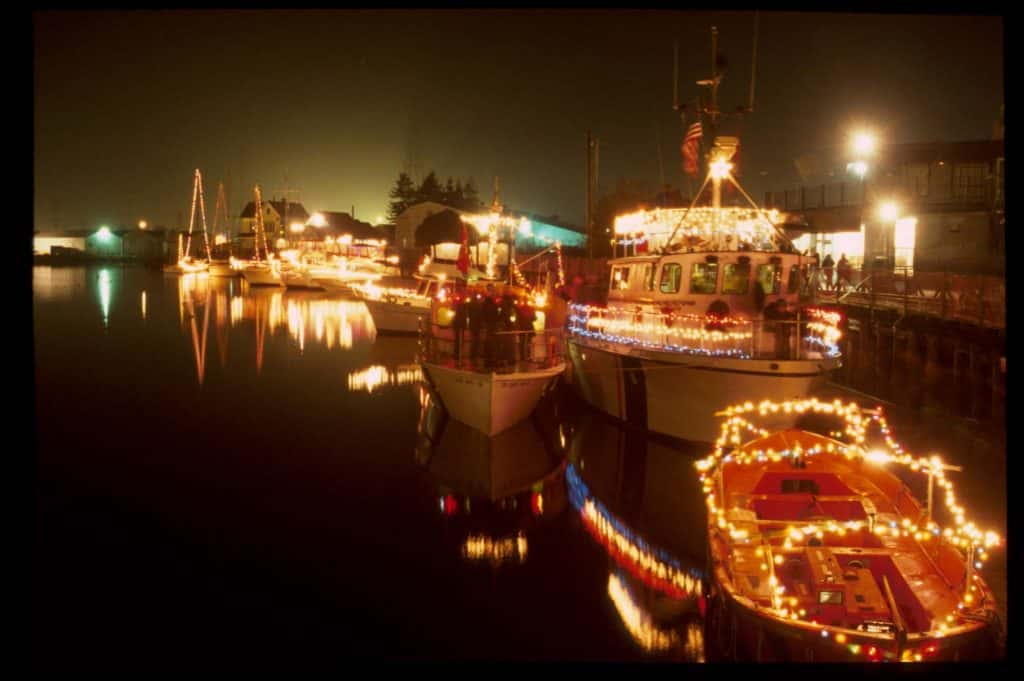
(636, 499)
(53, 284)
(104, 289)
(377, 376)
(492, 491)
(308, 319)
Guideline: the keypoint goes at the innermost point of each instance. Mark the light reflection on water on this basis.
(307, 318)
(502, 507)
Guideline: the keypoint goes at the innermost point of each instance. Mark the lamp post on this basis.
(863, 145)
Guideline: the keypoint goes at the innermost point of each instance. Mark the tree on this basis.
(403, 195)
(470, 198)
(629, 196)
(430, 189)
(448, 194)
(460, 195)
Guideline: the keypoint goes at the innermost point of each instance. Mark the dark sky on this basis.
(127, 104)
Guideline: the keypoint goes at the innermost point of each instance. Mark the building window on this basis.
(704, 277)
(969, 181)
(769, 277)
(671, 273)
(736, 278)
(916, 176)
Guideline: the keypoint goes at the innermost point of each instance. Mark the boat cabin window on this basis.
(794, 279)
(799, 486)
(671, 273)
(620, 278)
(830, 597)
(769, 278)
(704, 277)
(649, 277)
(736, 278)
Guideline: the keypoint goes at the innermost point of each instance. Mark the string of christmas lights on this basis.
(965, 535)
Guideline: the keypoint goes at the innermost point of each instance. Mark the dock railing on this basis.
(975, 299)
(498, 351)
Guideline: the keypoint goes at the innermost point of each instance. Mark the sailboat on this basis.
(185, 263)
(223, 266)
(707, 314)
(261, 271)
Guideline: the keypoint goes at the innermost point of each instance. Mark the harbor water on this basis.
(255, 477)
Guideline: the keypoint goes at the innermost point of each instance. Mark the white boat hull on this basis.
(490, 403)
(223, 269)
(192, 268)
(300, 280)
(261, 276)
(678, 396)
(396, 317)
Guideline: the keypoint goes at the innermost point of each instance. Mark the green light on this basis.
(103, 234)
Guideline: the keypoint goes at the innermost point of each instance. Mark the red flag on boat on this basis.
(691, 148)
(463, 262)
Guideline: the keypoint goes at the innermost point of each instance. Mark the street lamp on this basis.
(863, 143)
(889, 211)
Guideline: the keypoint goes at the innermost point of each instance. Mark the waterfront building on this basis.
(945, 207)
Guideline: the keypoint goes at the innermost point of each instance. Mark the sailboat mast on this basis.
(202, 209)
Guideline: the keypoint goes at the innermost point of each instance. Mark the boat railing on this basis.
(499, 351)
(806, 335)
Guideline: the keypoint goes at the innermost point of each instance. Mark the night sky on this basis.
(334, 104)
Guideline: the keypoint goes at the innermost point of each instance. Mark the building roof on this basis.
(339, 223)
(552, 220)
(62, 234)
(296, 211)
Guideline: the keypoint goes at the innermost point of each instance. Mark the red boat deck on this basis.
(836, 579)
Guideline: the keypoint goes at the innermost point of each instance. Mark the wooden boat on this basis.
(820, 552)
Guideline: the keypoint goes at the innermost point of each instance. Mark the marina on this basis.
(691, 428)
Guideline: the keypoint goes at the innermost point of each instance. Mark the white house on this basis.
(44, 241)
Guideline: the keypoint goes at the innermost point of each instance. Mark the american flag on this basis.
(691, 148)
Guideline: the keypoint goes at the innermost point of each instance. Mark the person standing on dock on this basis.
(844, 272)
(489, 316)
(474, 311)
(525, 317)
(459, 323)
(826, 267)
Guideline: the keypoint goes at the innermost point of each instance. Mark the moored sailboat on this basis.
(262, 270)
(185, 263)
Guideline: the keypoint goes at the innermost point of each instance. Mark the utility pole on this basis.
(285, 227)
(590, 197)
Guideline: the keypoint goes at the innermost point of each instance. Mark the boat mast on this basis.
(259, 225)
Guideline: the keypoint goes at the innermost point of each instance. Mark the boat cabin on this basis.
(691, 282)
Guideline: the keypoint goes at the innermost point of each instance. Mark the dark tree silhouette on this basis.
(403, 195)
